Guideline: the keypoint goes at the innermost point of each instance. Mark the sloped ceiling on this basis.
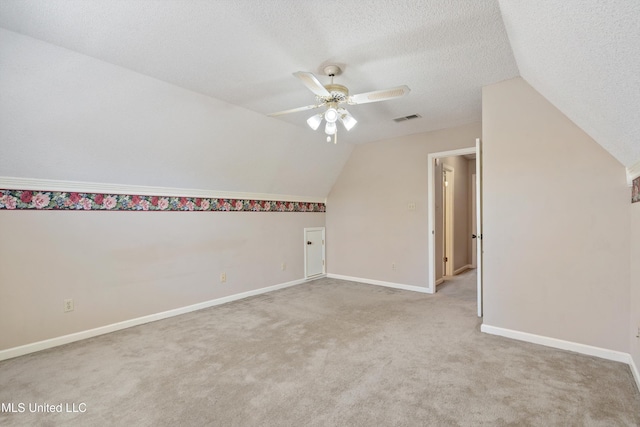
(244, 52)
(66, 116)
(584, 57)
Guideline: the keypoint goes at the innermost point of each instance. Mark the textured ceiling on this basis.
(244, 52)
(584, 57)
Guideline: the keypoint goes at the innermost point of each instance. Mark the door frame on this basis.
(431, 209)
(324, 264)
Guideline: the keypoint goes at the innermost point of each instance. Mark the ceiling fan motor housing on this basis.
(338, 93)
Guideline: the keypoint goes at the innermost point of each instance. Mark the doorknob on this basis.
(309, 242)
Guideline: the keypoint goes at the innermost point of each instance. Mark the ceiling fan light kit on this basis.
(332, 96)
(314, 121)
(330, 128)
(331, 115)
(347, 120)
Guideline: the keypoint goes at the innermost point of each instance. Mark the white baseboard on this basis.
(66, 339)
(616, 356)
(603, 353)
(634, 371)
(379, 283)
(462, 269)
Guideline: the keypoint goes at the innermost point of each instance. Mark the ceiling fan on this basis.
(333, 97)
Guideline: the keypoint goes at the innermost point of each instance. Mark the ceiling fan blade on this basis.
(379, 95)
(294, 110)
(312, 83)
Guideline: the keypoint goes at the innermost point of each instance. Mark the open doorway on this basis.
(445, 214)
(454, 214)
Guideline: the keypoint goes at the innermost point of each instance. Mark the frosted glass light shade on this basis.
(314, 121)
(331, 115)
(330, 128)
(348, 121)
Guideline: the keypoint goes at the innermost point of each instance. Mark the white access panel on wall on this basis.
(314, 253)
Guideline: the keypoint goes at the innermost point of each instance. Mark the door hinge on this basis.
(323, 241)
(445, 259)
(322, 262)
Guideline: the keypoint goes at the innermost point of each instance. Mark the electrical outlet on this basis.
(68, 305)
(393, 266)
(223, 277)
(283, 267)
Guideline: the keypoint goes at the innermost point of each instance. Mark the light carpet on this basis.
(325, 353)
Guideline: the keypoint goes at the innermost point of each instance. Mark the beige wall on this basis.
(556, 224)
(635, 283)
(369, 225)
(67, 116)
(122, 265)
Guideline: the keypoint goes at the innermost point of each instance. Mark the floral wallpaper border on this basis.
(635, 191)
(59, 200)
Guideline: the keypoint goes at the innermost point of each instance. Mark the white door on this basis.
(479, 221)
(313, 251)
(474, 221)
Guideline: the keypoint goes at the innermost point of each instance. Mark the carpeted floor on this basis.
(325, 353)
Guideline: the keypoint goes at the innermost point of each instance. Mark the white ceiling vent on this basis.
(405, 118)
